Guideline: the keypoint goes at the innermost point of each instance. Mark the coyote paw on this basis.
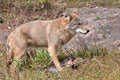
(53, 69)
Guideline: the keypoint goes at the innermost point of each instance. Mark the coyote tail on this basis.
(8, 55)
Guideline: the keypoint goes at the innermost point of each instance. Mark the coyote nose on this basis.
(88, 31)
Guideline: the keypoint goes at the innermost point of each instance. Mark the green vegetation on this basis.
(43, 59)
(97, 67)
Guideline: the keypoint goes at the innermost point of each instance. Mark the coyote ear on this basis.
(67, 16)
(75, 13)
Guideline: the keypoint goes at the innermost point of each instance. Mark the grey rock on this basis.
(104, 25)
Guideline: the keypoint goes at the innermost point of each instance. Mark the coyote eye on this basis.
(79, 23)
(66, 16)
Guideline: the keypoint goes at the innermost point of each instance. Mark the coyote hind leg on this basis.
(17, 54)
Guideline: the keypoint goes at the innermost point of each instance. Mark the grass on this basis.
(97, 67)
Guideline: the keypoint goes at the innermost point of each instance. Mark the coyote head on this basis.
(75, 23)
(77, 26)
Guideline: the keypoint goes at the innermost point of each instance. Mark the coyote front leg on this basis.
(52, 52)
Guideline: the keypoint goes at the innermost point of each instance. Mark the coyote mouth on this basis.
(81, 31)
(86, 32)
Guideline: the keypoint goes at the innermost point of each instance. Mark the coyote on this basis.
(48, 33)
